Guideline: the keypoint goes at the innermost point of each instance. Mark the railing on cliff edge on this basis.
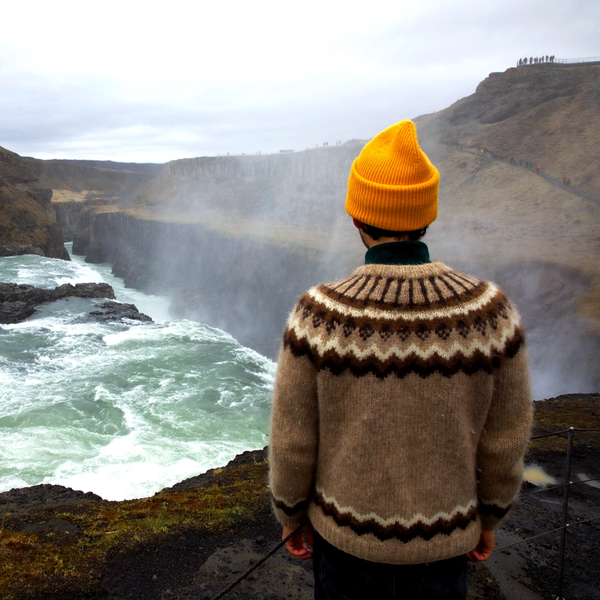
(566, 61)
(562, 529)
(565, 505)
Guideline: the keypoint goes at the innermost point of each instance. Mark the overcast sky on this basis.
(156, 81)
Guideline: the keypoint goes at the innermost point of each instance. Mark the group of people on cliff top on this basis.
(535, 60)
(525, 164)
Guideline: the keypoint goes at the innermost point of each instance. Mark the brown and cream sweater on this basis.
(401, 412)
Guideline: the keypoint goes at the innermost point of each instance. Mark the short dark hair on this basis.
(376, 232)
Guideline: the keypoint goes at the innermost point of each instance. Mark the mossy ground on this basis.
(38, 561)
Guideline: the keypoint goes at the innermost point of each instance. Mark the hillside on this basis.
(547, 117)
(522, 226)
(27, 224)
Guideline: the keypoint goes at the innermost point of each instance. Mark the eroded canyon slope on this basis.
(80, 185)
(488, 147)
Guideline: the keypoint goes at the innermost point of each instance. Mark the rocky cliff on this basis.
(27, 225)
(301, 189)
(242, 285)
(547, 116)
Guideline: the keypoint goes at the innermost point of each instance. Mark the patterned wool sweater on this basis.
(401, 412)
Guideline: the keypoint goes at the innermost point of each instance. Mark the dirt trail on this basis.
(559, 184)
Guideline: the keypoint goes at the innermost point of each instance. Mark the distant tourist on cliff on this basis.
(401, 407)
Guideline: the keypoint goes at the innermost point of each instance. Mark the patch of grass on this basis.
(33, 562)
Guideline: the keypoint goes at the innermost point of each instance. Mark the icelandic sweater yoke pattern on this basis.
(430, 319)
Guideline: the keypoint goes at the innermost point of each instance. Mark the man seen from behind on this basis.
(402, 405)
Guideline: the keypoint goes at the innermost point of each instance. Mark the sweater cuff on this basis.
(489, 523)
(491, 515)
(290, 522)
(289, 516)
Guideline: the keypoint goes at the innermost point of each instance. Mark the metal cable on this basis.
(546, 533)
(259, 562)
(537, 437)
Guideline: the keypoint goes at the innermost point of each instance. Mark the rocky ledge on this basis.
(191, 540)
(19, 301)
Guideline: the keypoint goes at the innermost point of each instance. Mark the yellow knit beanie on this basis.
(392, 183)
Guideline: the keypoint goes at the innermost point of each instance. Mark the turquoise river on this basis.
(121, 410)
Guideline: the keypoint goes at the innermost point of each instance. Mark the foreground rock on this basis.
(116, 311)
(59, 543)
(19, 301)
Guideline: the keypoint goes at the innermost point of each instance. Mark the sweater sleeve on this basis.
(504, 440)
(293, 438)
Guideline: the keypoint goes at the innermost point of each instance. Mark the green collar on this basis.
(398, 253)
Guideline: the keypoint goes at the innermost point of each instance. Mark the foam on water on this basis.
(120, 410)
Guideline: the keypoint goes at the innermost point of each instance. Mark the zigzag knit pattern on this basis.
(397, 528)
(438, 323)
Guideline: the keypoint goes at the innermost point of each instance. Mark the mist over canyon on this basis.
(233, 240)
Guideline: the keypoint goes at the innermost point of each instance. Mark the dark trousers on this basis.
(341, 576)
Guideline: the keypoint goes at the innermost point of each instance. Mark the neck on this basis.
(387, 240)
(369, 242)
(398, 253)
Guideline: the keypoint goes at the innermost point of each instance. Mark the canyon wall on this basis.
(79, 184)
(243, 286)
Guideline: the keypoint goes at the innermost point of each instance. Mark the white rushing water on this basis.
(121, 410)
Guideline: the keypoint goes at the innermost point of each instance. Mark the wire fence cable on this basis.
(258, 563)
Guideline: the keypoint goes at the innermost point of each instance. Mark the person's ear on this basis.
(358, 224)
